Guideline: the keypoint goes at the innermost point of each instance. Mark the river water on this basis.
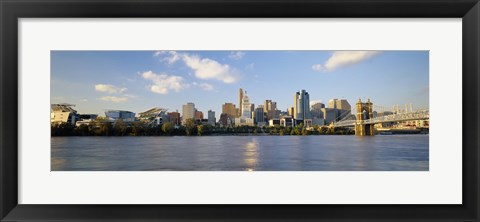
(241, 153)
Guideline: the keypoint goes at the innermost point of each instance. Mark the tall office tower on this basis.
(269, 105)
(229, 109)
(246, 107)
(259, 117)
(188, 112)
(240, 98)
(252, 107)
(211, 117)
(270, 108)
(301, 105)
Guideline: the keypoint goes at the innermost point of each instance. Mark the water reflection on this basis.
(250, 155)
(241, 153)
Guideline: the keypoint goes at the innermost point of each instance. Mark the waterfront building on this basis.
(301, 108)
(198, 114)
(329, 115)
(63, 113)
(226, 120)
(287, 121)
(259, 115)
(270, 108)
(290, 111)
(240, 102)
(316, 110)
(274, 122)
(188, 112)
(340, 104)
(211, 117)
(154, 116)
(246, 107)
(243, 121)
(124, 115)
(86, 119)
(318, 106)
(174, 118)
(318, 121)
(229, 109)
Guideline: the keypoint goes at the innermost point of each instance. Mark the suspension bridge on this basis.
(364, 120)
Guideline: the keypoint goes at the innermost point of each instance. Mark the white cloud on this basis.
(115, 99)
(163, 83)
(204, 68)
(206, 86)
(109, 88)
(169, 57)
(344, 58)
(236, 55)
(84, 100)
(318, 67)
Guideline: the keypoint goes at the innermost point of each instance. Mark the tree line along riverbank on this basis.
(189, 129)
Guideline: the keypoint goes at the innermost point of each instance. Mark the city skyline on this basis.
(139, 80)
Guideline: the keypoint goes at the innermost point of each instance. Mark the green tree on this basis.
(305, 132)
(82, 130)
(119, 128)
(105, 129)
(167, 128)
(200, 129)
(190, 127)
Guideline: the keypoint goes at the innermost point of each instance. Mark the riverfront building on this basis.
(229, 109)
(270, 108)
(246, 107)
(188, 112)
(63, 113)
(211, 117)
(246, 110)
(174, 118)
(240, 102)
(114, 115)
(301, 108)
(259, 114)
(198, 115)
(154, 116)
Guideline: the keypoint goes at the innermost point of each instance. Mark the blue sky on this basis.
(138, 80)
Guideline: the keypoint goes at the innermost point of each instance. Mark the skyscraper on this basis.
(229, 109)
(301, 106)
(211, 117)
(270, 108)
(188, 112)
(259, 117)
(246, 107)
(240, 98)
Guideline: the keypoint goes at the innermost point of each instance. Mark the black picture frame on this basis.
(12, 10)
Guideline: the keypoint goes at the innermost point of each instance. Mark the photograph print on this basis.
(252, 110)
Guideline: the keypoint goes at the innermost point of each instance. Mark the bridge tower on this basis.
(364, 112)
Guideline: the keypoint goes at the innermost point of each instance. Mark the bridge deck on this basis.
(399, 117)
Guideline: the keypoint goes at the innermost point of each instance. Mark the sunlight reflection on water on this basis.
(242, 153)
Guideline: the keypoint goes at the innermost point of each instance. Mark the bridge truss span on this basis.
(397, 117)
